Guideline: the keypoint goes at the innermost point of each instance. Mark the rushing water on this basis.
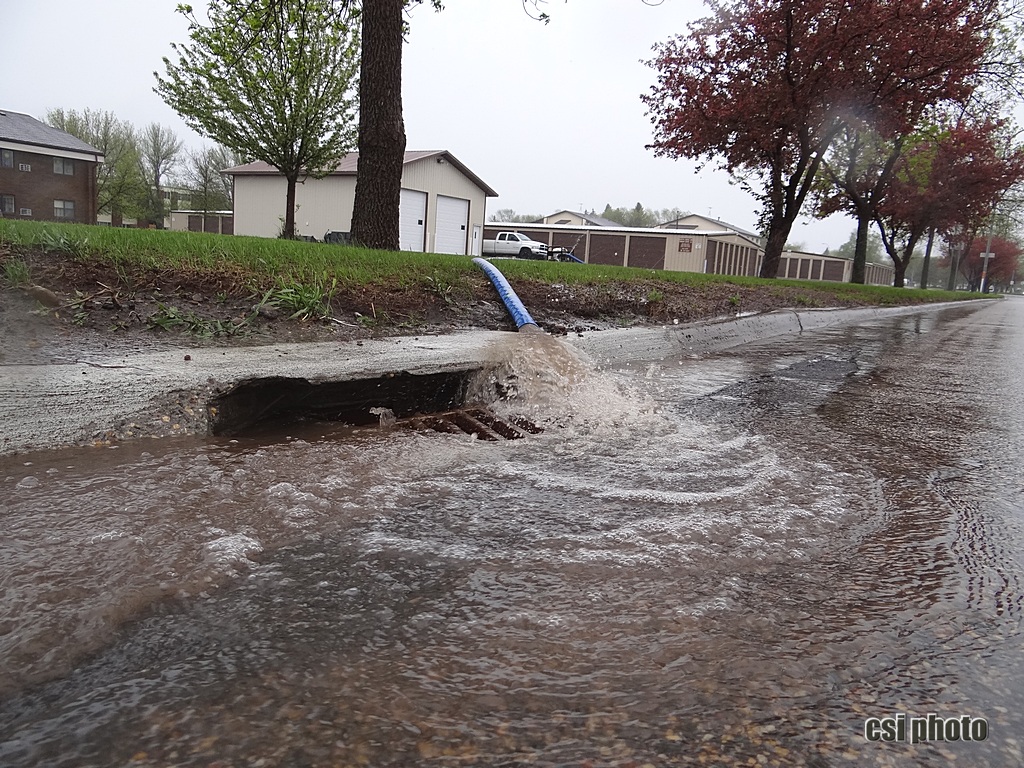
(728, 560)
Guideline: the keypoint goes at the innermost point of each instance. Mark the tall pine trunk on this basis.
(381, 127)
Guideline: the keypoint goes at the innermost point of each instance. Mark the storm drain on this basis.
(434, 402)
(473, 421)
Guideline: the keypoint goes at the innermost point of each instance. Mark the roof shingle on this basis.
(25, 129)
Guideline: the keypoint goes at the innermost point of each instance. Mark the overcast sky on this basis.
(548, 115)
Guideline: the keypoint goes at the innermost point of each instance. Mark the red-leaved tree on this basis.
(1003, 268)
(950, 180)
(765, 86)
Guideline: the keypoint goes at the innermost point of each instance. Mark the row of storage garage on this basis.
(720, 252)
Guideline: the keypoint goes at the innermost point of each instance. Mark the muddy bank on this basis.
(81, 307)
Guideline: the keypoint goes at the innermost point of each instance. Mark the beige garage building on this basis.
(442, 209)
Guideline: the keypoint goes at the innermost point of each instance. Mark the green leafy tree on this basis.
(120, 186)
(637, 216)
(857, 172)
(381, 124)
(874, 251)
(666, 215)
(272, 80)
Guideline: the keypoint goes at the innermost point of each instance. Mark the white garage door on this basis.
(412, 216)
(452, 223)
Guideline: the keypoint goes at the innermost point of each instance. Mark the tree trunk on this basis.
(860, 253)
(901, 261)
(899, 273)
(288, 231)
(158, 202)
(785, 199)
(954, 264)
(927, 258)
(778, 233)
(381, 127)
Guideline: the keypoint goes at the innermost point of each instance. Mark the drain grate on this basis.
(473, 421)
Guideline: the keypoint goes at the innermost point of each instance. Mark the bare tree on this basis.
(209, 188)
(509, 216)
(159, 153)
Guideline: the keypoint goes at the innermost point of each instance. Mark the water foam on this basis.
(553, 384)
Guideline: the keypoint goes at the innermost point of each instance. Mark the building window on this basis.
(64, 166)
(6, 158)
(6, 203)
(64, 209)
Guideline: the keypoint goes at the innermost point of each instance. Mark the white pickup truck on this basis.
(515, 244)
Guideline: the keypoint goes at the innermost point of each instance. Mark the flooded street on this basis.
(731, 560)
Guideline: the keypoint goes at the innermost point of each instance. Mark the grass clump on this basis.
(16, 273)
(170, 318)
(301, 301)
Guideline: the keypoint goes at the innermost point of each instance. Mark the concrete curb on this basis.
(46, 406)
(651, 344)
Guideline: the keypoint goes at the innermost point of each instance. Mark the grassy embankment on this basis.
(311, 272)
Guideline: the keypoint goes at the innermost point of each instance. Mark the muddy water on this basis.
(700, 562)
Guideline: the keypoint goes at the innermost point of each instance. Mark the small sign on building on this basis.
(685, 245)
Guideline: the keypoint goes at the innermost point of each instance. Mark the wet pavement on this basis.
(736, 558)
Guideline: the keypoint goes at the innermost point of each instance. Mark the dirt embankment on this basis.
(76, 308)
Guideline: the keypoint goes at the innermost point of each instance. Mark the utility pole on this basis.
(985, 257)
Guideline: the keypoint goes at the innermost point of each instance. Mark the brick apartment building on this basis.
(45, 174)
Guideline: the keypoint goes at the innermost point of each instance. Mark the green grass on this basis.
(16, 273)
(276, 260)
(304, 273)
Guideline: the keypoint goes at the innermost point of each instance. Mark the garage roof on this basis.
(349, 163)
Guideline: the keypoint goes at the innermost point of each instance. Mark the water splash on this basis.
(551, 383)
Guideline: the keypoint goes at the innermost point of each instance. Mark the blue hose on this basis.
(512, 303)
